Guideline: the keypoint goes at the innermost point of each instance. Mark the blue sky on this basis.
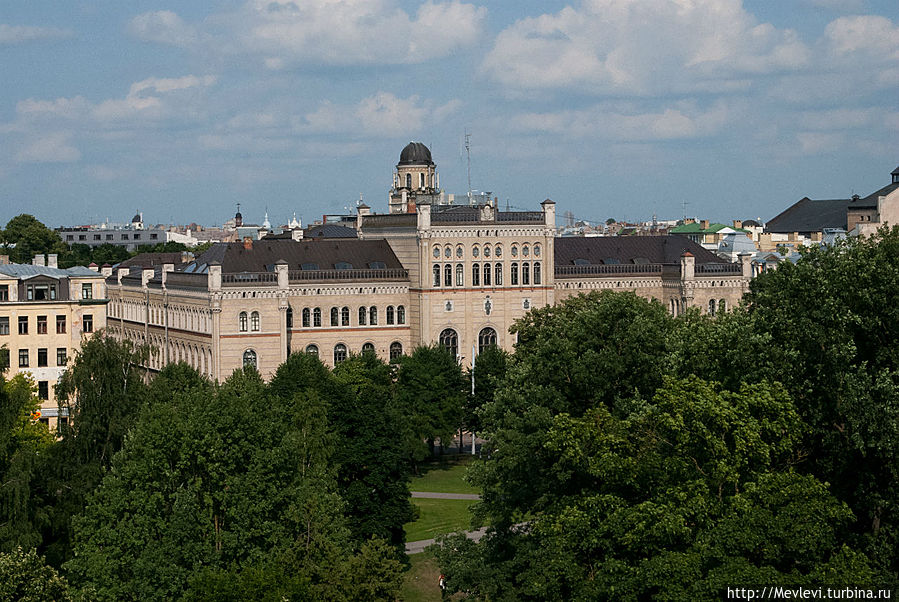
(621, 108)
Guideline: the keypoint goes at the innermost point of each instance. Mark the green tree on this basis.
(25, 236)
(488, 372)
(430, 393)
(25, 577)
(373, 473)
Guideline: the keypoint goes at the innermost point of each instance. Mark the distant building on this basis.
(44, 314)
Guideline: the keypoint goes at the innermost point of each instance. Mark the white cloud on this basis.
(53, 147)
(17, 34)
(871, 35)
(813, 143)
(382, 114)
(147, 98)
(838, 5)
(163, 27)
(67, 108)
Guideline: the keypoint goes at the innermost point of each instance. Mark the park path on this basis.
(446, 496)
(416, 547)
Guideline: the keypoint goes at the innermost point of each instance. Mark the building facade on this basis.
(44, 314)
(426, 273)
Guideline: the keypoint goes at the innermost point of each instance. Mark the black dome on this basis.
(136, 218)
(416, 153)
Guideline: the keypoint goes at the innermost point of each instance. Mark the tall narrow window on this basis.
(390, 314)
(486, 338)
(42, 324)
(254, 321)
(242, 321)
(4, 325)
(249, 359)
(538, 277)
(437, 275)
(345, 316)
(711, 307)
(498, 274)
(23, 358)
(87, 323)
(449, 340)
(290, 317)
(368, 348)
(401, 314)
(396, 350)
(339, 353)
(363, 315)
(408, 180)
(87, 291)
(448, 275)
(43, 389)
(486, 271)
(307, 322)
(460, 275)
(62, 356)
(513, 274)
(476, 274)
(42, 357)
(525, 273)
(317, 317)
(373, 315)
(23, 324)
(335, 316)
(421, 180)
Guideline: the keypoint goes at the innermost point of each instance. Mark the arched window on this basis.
(524, 251)
(449, 340)
(421, 180)
(306, 317)
(537, 275)
(498, 251)
(396, 350)
(312, 350)
(486, 338)
(249, 359)
(475, 251)
(317, 317)
(486, 272)
(486, 250)
(448, 252)
(242, 321)
(290, 317)
(476, 275)
(536, 250)
(513, 275)
(460, 275)
(363, 315)
(373, 315)
(368, 348)
(514, 251)
(436, 252)
(389, 314)
(525, 273)
(437, 275)
(498, 273)
(335, 316)
(345, 316)
(447, 275)
(711, 307)
(408, 180)
(401, 314)
(254, 321)
(339, 353)
(722, 306)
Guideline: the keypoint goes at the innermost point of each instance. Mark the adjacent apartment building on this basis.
(44, 314)
(427, 272)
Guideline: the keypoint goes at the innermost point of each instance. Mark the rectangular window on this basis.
(96, 237)
(42, 324)
(4, 325)
(23, 324)
(525, 273)
(513, 274)
(70, 237)
(109, 237)
(60, 324)
(82, 237)
(124, 237)
(154, 236)
(62, 356)
(137, 237)
(40, 292)
(23, 358)
(42, 357)
(43, 389)
(4, 292)
(87, 323)
(87, 291)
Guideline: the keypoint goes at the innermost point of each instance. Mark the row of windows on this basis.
(339, 316)
(496, 250)
(87, 324)
(137, 236)
(449, 340)
(45, 292)
(250, 357)
(42, 357)
(486, 273)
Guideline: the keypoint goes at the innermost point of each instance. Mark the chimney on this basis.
(704, 224)
(738, 224)
(214, 276)
(687, 266)
(4, 259)
(248, 243)
(106, 270)
(296, 234)
(146, 275)
(549, 213)
(51, 260)
(93, 267)
(38, 260)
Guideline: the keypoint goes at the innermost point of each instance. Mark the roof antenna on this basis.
(468, 153)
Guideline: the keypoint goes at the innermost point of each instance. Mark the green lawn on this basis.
(438, 517)
(445, 477)
(420, 582)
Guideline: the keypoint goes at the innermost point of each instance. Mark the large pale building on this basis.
(425, 272)
(44, 314)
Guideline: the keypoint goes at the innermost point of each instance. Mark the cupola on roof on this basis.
(416, 153)
(136, 218)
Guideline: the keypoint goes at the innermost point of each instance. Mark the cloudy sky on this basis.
(621, 108)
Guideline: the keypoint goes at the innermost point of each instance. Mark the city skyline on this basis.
(611, 108)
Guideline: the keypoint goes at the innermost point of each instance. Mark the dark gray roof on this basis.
(323, 253)
(416, 153)
(806, 216)
(870, 201)
(147, 260)
(329, 231)
(601, 250)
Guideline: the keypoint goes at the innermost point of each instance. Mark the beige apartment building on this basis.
(426, 272)
(44, 314)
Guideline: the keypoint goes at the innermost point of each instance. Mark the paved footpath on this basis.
(416, 547)
(446, 496)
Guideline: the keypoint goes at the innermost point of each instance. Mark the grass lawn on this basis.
(443, 477)
(438, 517)
(420, 581)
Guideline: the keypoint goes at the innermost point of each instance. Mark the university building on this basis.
(44, 313)
(428, 271)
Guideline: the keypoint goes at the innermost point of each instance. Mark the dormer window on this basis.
(343, 265)
(580, 261)
(309, 266)
(377, 265)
